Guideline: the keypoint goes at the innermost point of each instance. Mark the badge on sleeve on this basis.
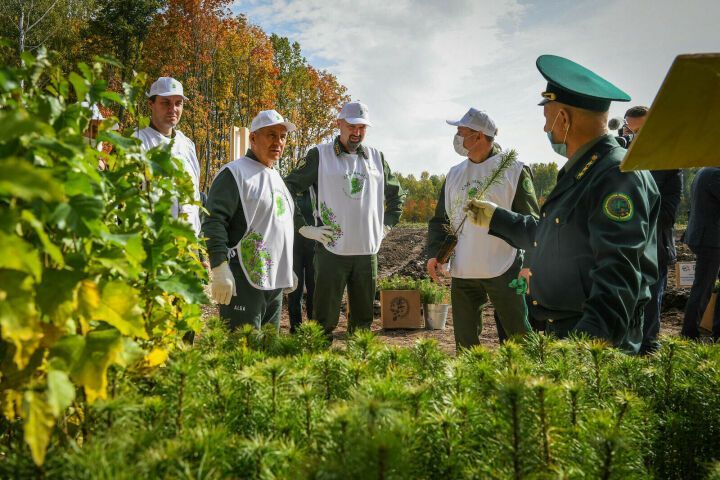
(618, 207)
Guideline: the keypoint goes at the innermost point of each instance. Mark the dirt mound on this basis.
(403, 252)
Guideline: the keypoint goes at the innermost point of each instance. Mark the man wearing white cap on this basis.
(166, 101)
(482, 266)
(358, 200)
(249, 229)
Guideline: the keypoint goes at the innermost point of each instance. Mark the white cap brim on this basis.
(456, 123)
(170, 94)
(289, 126)
(357, 121)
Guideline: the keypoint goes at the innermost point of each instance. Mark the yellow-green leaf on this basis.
(60, 392)
(52, 250)
(17, 254)
(102, 348)
(39, 422)
(119, 307)
(18, 316)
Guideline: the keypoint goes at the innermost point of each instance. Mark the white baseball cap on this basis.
(166, 87)
(268, 118)
(477, 120)
(355, 113)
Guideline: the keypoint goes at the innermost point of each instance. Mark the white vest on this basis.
(351, 200)
(184, 149)
(266, 250)
(478, 254)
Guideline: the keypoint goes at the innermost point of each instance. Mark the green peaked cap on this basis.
(572, 84)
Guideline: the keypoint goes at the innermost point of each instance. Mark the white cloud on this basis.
(417, 63)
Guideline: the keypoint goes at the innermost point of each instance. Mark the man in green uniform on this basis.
(358, 200)
(592, 253)
(250, 228)
(482, 266)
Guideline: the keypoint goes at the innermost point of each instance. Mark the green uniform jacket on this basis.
(306, 176)
(525, 202)
(224, 225)
(593, 251)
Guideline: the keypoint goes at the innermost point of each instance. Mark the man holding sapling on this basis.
(482, 266)
(592, 253)
(358, 200)
(166, 101)
(250, 228)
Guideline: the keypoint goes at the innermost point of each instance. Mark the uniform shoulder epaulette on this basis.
(587, 166)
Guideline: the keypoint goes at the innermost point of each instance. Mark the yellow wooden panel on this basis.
(683, 126)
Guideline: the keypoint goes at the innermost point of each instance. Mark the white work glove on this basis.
(434, 269)
(222, 284)
(321, 234)
(480, 212)
(386, 230)
(289, 290)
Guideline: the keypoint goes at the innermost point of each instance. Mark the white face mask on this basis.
(458, 145)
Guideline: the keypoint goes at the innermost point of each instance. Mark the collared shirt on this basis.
(339, 148)
(582, 151)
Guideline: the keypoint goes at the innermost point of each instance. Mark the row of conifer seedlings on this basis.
(258, 404)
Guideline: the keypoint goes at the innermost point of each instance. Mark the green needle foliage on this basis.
(282, 408)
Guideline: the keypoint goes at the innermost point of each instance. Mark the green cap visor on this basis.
(575, 85)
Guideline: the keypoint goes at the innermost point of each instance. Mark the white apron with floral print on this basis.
(351, 200)
(479, 254)
(266, 249)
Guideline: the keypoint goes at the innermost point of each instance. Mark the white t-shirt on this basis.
(184, 149)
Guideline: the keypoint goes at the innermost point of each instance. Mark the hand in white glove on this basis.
(434, 269)
(321, 234)
(480, 212)
(291, 289)
(222, 284)
(386, 230)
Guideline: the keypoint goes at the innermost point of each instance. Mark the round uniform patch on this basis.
(528, 185)
(618, 207)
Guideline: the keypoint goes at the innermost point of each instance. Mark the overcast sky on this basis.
(417, 63)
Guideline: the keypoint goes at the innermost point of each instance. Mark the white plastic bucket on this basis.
(435, 315)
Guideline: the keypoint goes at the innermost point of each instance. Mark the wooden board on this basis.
(683, 125)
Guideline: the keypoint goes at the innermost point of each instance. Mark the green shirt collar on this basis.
(340, 148)
(251, 154)
(582, 151)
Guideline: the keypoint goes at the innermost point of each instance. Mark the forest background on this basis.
(230, 68)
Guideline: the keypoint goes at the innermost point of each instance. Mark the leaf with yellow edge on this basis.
(156, 357)
(11, 404)
(19, 319)
(39, 422)
(102, 348)
(119, 307)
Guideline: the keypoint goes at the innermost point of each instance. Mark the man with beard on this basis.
(358, 200)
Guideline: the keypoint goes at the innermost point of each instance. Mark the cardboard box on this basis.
(401, 309)
(684, 274)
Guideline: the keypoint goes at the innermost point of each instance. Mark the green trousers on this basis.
(332, 274)
(251, 306)
(469, 296)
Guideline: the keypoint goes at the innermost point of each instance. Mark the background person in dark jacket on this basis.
(303, 254)
(703, 238)
(669, 183)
